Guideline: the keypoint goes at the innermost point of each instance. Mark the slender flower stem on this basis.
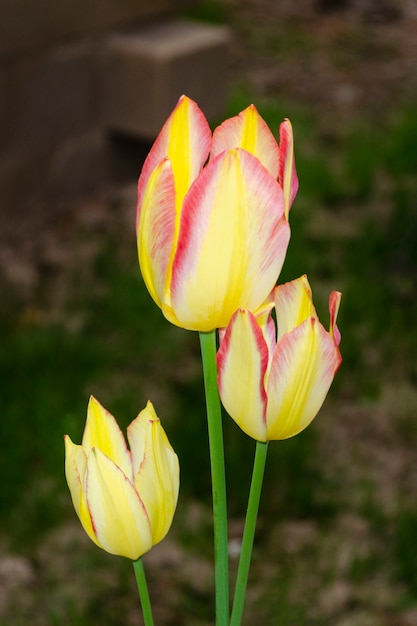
(143, 592)
(249, 532)
(218, 479)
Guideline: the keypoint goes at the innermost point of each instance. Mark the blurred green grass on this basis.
(354, 228)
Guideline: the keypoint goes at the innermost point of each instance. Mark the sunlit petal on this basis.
(103, 432)
(303, 367)
(293, 304)
(118, 515)
(232, 243)
(248, 131)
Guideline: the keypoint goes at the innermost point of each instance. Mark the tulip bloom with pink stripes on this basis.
(212, 215)
(273, 381)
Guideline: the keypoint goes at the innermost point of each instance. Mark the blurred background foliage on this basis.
(339, 513)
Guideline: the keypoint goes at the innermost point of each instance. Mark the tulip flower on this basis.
(125, 499)
(273, 383)
(212, 215)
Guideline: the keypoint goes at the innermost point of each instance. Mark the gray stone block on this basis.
(144, 74)
(36, 24)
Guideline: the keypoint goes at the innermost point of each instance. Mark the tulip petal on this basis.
(156, 231)
(242, 360)
(287, 174)
(75, 468)
(118, 515)
(103, 432)
(302, 370)
(293, 304)
(334, 304)
(248, 131)
(232, 242)
(185, 140)
(156, 470)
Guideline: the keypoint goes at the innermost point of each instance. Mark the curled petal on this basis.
(185, 140)
(242, 361)
(232, 242)
(302, 370)
(293, 304)
(287, 174)
(157, 475)
(248, 131)
(157, 231)
(118, 516)
(334, 304)
(103, 432)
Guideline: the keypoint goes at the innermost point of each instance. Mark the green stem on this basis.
(218, 479)
(143, 592)
(249, 532)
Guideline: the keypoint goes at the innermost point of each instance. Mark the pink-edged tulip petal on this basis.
(248, 131)
(334, 304)
(157, 476)
(185, 140)
(118, 515)
(302, 370)
(287, 174)
(102, 431)
(157, 231)
(75, 468)
(242, 361)
(293, 304)
(232, 242)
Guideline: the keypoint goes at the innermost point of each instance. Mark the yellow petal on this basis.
(248, 131)
(156, 470)
(118, 515)
(303, 367)
(102, 432)
(242, 362)
(293, 304)
(75, 469)
(232, 242)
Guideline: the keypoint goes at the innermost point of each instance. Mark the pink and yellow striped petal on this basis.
(334, 304)
(248, 131)
(287, 174)
(118, 516)
(102, 431)
(232, 242)
(157, 232)
(157, 477)
(242, 361)
(185, 140)
(302, 370)
(293, 304)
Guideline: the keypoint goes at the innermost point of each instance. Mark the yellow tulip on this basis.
(125, 499)
(212, 216)
(273, 382)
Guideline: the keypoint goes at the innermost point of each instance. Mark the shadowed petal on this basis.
(287, 174)
(75, 469)
(242, 361)
(157, 231)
